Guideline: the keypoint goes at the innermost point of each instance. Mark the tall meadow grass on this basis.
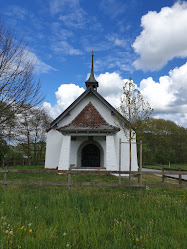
(92, 217)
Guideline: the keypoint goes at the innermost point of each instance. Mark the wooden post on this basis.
(23, 161)
(3, 165)
(119, 160)
(140, 176)
(169, 165)
(163, 174)
(69, 179)
(130, 157)
(14, 162)
(180, 177)
(139, 180)
(5, 176)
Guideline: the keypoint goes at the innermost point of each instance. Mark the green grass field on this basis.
(91, 217)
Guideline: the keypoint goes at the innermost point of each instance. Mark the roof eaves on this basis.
(88, 130)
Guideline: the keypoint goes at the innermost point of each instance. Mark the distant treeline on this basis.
(23, 137)
(163, 142)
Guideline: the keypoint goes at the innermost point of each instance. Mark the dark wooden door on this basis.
(90, 156)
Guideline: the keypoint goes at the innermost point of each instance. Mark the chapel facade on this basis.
(86, 135)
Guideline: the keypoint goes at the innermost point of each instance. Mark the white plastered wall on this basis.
(75, 145)
(54, 139)
(53, 148)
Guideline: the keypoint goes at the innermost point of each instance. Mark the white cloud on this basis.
(70, 13)
(65, 96)
(30, 58)
(111, 87)
(158, 94)
(168, 97)
(59, 32)
(65, 48)
(75, 19)
(57, 6)
(120, 60)
(116, 41)
(113, 8)
(40, 66)
(90, 43)
(163, 37)
(16, 12)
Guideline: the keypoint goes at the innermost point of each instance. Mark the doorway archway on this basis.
(90, 156)
(82, 154)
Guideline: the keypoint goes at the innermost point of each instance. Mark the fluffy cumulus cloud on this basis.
(65, 96)
(168, 96)
(163, 37)
(111, 87)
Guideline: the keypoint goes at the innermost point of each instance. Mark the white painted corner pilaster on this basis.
(110, 153)
(64, 161)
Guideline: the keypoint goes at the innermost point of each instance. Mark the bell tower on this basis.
(92, 81)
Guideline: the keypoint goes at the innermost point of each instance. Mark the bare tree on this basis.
(17, 81)
(40, 124)
(30, 132)
(134, 109)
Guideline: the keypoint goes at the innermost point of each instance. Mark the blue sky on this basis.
(146, 40)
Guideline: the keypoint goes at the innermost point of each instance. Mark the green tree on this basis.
(164, 141)
(30, 132)
(3, 148)
(134, 109)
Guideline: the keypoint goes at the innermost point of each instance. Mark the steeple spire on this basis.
(92, 81)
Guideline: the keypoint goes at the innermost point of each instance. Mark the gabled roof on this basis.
(89, 119)
(82, 96)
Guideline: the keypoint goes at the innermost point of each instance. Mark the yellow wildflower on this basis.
(30, 230)
(22, 227)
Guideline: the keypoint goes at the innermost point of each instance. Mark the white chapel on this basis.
(86, 135)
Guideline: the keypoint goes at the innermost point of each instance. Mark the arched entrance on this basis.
(90, 156)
